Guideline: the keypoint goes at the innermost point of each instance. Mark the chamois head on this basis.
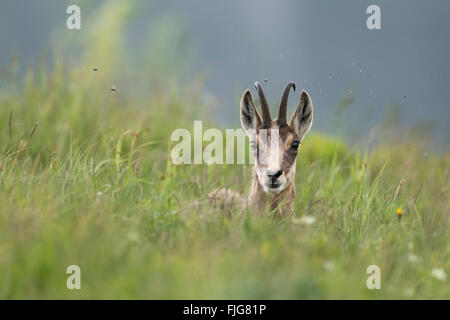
(275, 143)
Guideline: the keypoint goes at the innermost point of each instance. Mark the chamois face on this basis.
(275, 151)
(274, 143)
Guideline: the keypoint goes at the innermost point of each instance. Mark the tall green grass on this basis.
(86, 179)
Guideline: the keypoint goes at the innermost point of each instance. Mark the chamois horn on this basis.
(283, 104)
(267, 121)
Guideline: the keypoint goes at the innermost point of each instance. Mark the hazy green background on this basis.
(86, 176)
(403, 67)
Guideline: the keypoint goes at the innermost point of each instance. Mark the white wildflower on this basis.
(439, 274)
(413, 258)
(304, 220)
(329, 266)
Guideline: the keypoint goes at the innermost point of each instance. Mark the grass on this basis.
(85, 179)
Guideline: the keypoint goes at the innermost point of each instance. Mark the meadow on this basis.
(86, 179)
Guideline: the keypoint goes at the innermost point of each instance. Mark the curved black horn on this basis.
(283, 104)
(267, 121)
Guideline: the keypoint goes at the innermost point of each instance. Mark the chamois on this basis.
(275, 145)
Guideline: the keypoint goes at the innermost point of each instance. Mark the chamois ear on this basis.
(250, 119)
(302, 119)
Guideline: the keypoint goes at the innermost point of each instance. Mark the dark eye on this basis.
(295, 145)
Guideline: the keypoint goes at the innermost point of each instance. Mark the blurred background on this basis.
(358, 78)
(86, 178)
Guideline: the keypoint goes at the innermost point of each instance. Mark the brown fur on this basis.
(273, 184)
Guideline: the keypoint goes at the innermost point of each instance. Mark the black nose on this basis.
(275, 176)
